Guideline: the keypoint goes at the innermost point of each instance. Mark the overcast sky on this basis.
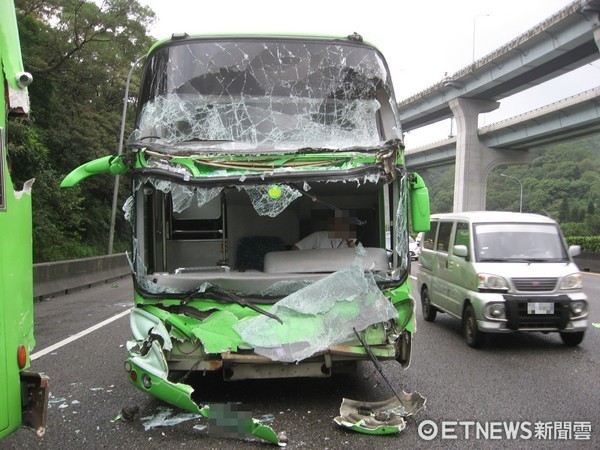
(421, 40)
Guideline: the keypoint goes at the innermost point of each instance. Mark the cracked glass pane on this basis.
(251, 94)
(181, 197)
(271, 200)
(161, 185)
(140, 273)
(317, 316)
(205, 195)
(401, 225)
(128, 209)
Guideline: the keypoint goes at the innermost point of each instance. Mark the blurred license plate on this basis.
(540, 308)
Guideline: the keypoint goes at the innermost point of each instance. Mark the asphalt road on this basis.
(521, 378)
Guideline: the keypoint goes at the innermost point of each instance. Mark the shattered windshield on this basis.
(243, 95)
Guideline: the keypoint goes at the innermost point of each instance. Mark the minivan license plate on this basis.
(540, 308)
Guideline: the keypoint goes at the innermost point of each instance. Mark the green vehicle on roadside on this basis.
(23, 394)
(243, 146)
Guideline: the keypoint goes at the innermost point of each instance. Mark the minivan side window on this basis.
(444, 236)
(462, 235)
(429, 237)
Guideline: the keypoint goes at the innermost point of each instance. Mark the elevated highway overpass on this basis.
(571, 118)
(565, 41)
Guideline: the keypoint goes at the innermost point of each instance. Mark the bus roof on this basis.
(180, 37)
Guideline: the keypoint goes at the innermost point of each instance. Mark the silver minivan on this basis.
(500, 272)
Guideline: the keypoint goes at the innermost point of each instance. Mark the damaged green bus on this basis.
(242, 147)
(23, 394)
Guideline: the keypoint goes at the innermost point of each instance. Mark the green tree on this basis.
(440, 183)
(591, 209)
(564, 213)
(79, 53)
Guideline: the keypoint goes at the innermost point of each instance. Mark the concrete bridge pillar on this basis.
(474, 161)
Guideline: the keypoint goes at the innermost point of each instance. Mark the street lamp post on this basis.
(474, 24)
(113, 211)
(521, 186)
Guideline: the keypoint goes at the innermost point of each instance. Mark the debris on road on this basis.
(384, 417)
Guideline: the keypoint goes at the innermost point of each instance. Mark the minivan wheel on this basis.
(429, 312)
(472, 335)
(572, 339)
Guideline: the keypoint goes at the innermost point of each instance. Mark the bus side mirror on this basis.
(419, 203)
(107, 164)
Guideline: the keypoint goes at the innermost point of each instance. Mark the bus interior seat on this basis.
(251, 251)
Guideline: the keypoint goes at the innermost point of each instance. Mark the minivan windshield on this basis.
(250, 94)
(514, 242)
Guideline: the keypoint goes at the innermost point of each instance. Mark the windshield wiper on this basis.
(521, 259)
(545, 259)
(202, 289)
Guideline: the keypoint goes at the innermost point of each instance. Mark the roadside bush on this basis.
(574, 229)
(588, 243)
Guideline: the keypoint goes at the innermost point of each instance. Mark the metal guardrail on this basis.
(588, 262)
(56, 278)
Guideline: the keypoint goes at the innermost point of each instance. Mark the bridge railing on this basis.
(56, 278)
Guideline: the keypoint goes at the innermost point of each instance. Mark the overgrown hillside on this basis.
(562, 181)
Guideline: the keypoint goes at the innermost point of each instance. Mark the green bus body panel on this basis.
(16, 265)
(10, 50)
(180, 395)
(16, 302)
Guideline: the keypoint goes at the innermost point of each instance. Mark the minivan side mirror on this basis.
(419, 203)
(574, 250)
(461, 251)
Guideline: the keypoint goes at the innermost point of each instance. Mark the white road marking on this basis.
(70, 339)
